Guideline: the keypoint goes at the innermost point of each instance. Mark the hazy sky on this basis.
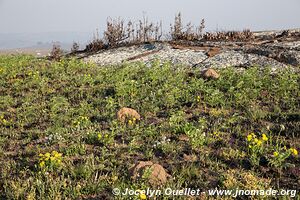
(19, 16)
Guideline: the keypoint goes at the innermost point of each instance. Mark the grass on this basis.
(63, 113)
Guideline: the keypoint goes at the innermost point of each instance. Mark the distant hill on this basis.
(9, 41)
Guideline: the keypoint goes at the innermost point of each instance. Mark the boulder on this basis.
(210, 74)
(154, 173)
(127, 113)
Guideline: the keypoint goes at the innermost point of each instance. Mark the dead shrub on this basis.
(96, 44)
(188, 32)
(56, 52)
(115, 32)
(75, 47)
(244, 35)
(119, 33)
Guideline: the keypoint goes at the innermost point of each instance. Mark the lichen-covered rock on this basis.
(210, 74)
(127, 113)
(277, 49)
(154, 173)
(239, 59)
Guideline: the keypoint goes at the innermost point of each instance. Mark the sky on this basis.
(40, 16)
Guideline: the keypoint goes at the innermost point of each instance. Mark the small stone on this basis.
(127, 113)
(155, 173)
(210, 74)
(213, 51)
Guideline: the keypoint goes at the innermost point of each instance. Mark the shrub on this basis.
(189, 32)
(75, 47)
(56, 52)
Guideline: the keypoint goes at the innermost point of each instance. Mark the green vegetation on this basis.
(60, 137)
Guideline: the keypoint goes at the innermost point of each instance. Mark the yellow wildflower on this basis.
(255, 140)
(259, 142)
(57, 155)
(42, 164)
(47, 156)
(99, 136)
(249, 137)
(275, 153)
(294, 151)
(264, 137)
(143, 196)
(130, 122)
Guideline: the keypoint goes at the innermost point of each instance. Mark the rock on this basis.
(154, 173)
(139, 53)
(127, 113)
(240, 59)
(277, 49)
(185, 57)
(210, 74)
(290, 57)
(278, 53)
(213, 51)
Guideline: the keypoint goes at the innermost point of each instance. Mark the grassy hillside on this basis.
(60, 137)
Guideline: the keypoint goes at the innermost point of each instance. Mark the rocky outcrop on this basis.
(277, 49)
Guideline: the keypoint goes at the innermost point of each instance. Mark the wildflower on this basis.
(275, 154)
(259, 142)
(250, 146)
(264, 137)
(249, 137)
(255, 140)
(216, 133)
(99, 136)
(198, 98)
(143, 196)
(47, 156)
(57, 155)
(130, 122)
(294, 151)
(42, 164)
